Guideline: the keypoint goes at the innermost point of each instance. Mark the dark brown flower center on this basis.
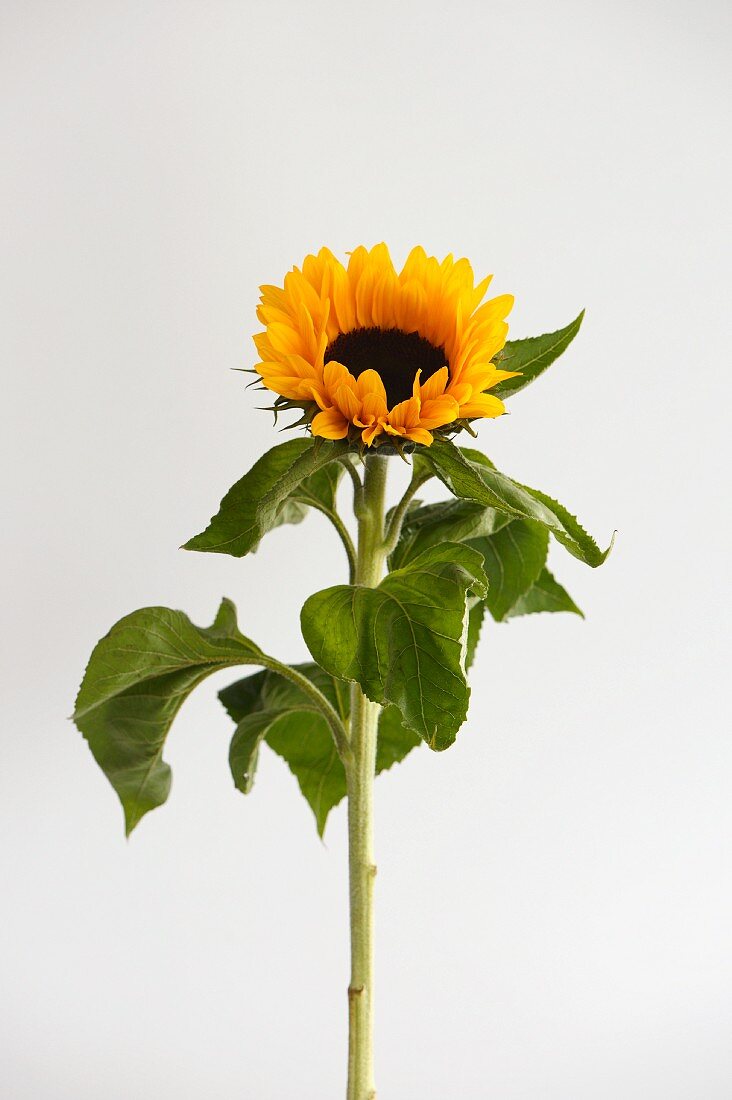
(395, 355)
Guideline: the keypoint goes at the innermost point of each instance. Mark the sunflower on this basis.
(382, 357)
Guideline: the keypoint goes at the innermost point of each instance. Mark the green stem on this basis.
(343, 534)
(340, 736)
(357, 483)
(394, 527)
(360, 771)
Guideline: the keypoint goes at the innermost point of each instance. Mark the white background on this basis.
(554, 897)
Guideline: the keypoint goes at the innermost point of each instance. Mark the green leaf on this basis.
(394, 741)
(481, 483)
(319, 490)
(269, 708)
(244, 749)
(512, 558)
(272, 492)
(533, 356)
(447, 521)
(546, 594)
(138, 676)
(405, 641)
(475, 624)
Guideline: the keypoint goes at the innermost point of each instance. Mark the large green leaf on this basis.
(269, 708)
(514, 550)
(405, 641)
(533, 356)
(546, 594)
(138, 676)
(481, 483)
(275, 490)
(513, 558)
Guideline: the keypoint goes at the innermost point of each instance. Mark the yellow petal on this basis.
(286, 340)
(299, 291)
(495, 309)
(347, 402)
(483, 404)
(268, 314)
(285, 387)
(263, 346)
(380, 260)
(435, 385)
(405, 414)
(461, 391)
(336, 375)
(439, 411)
(419, 435)
(307, 331)
(409, 306)
(480, 291)
(415, 264)
(356, 263)
(484, 378)
(373, 407)
(330, 424)
(369, 434)
(369, 384)
(272, 296)
(343, 300)
(365, 297)
(382, 306)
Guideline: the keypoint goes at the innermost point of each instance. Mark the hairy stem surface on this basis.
(360, 771)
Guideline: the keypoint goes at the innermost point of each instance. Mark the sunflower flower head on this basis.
(381, 357)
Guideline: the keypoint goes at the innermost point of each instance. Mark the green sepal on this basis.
(138, 676)
(272, 492)
(532, 356)
(268, 708)
(404, 642)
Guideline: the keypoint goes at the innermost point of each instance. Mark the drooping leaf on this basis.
(532, 357)
(546, 594)
(138, 676)
(282, 479)
(513, 558)
(405, 641)
(269, 708)
(481, 483)
(244, 749)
